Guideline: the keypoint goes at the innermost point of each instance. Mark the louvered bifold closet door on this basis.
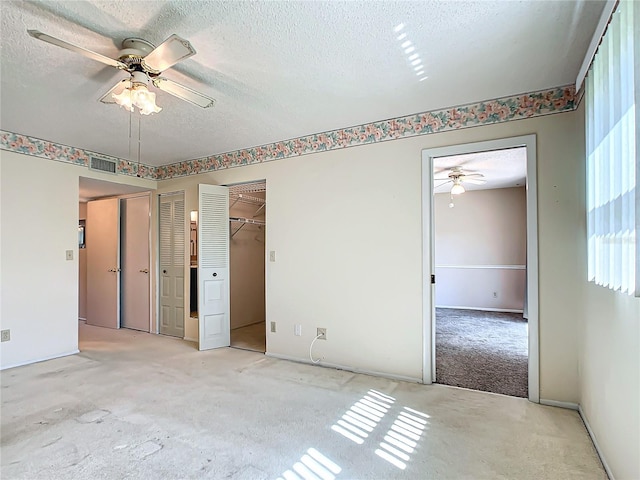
(172, 253)
(213, 267)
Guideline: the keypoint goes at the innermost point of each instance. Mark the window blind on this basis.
(613, 169)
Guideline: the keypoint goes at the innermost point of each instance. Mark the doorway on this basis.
(480, 264)
(247, 217)
(114, 251)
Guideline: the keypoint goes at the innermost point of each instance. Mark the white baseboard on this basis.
(20, 364)
(595, 443)
(483, 309)
(344, 367)
(556, 403)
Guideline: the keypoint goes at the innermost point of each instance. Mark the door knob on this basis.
(164, 271)
(144, 270)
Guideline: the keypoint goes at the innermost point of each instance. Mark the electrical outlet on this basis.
(297, 330)
(495, 294)
(322, 334)
(5, 335)
(273, 327)
(69, 254)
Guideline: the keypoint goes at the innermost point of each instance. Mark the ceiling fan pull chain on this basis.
(139, 144)
(130, 114)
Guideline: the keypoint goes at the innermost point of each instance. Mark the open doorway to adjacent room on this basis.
(479, 245)
(114, 255)
(247, 256)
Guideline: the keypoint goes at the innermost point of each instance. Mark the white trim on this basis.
(483, 309)
(532, 268)
(595, 41)
(605, 465)
(428, 315)
(489, 267)
(559, 404)
(37, 360)
(344, 367)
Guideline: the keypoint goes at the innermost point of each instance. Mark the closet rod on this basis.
(244, 221)
(247, 220)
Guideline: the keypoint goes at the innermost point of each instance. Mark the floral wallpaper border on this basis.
(488, 112)
(15, 142)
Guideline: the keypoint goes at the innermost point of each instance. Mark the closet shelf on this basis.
(243, 198)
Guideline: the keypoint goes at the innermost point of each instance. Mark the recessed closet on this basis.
(247, 224)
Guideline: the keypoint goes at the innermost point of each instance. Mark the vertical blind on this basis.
(613, 168)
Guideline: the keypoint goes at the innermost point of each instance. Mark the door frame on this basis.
(265, 259)
(428, 249)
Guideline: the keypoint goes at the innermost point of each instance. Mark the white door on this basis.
(213, 267)
(134, 223)
(103, 263)
(172, 253)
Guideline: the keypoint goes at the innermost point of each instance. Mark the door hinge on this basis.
(433, 279)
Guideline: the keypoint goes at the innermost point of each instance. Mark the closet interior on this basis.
(247, 224)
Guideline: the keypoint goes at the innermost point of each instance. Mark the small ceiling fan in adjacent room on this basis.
(457, 177)
(145, 63)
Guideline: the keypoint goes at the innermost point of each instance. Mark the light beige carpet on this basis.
(250, 337)
(140, 406)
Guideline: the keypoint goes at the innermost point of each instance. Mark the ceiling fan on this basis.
(145, 63)
(457, 176)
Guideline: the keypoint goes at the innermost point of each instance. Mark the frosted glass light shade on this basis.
(457, 189)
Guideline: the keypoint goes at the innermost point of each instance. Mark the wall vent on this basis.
(103, 165)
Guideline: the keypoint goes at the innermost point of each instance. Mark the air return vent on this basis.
(103, 165)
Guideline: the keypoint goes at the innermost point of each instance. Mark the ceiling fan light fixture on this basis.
(145, 100)
(136, 94)
(457, 189)
(124, 99)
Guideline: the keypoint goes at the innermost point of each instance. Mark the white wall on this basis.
(609, 359)
(487, 229)
(247, 256)
(346, 226)
(39, 286)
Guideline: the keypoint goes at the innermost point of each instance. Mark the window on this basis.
(613, 168)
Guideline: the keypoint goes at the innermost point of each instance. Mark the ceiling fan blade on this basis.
(467, 175)
(443, 183)
(116, 89)
(74, 48)
(167, 54)
(185, 93)
(474, 181)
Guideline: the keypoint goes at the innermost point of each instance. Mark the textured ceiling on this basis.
(278, 69)
(500, 169)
